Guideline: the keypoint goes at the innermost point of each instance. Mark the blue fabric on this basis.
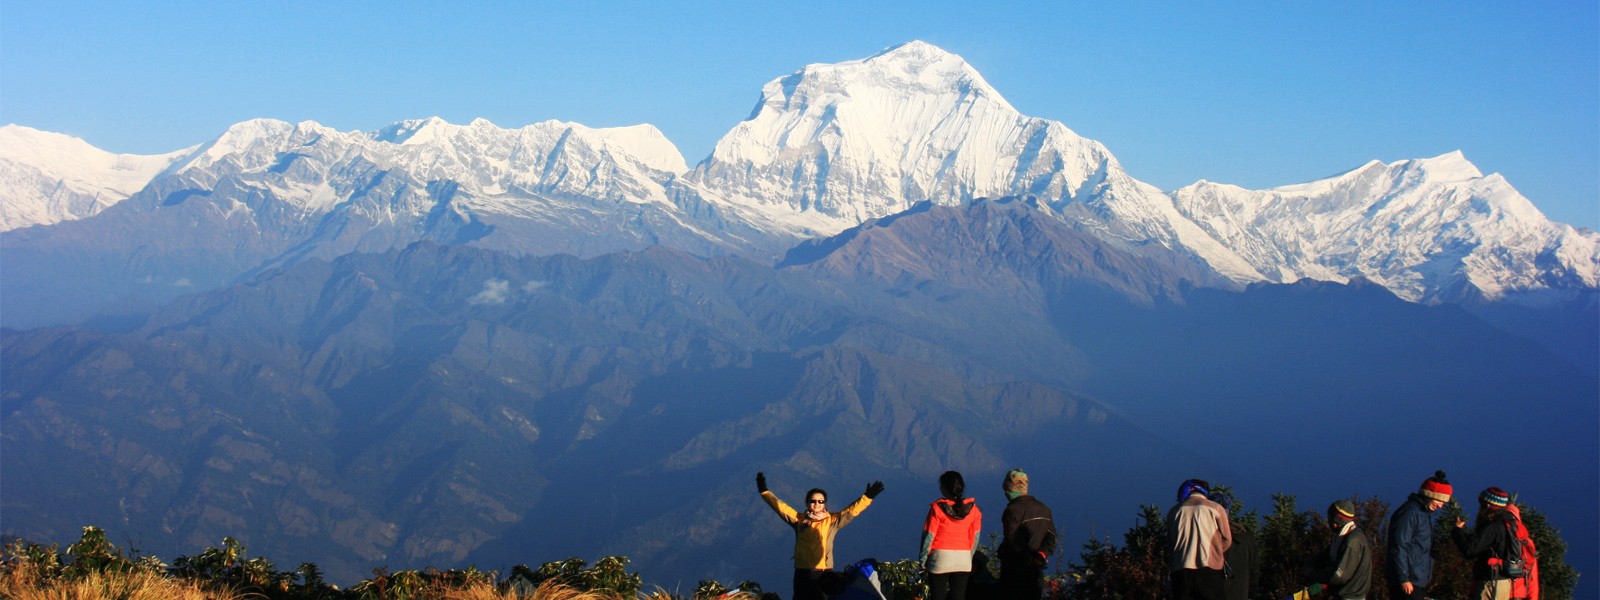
(1190, 486)
(1411, 543)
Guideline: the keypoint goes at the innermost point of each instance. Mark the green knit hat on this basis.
(1015, 484)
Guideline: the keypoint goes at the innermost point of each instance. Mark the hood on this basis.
(957, 511)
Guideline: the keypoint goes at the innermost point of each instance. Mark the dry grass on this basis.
(138, 585)
(16, 584)
(548, 590)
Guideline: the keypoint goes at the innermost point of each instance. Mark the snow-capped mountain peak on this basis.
(413, 131)
(50, 177)
(865, 138)
(1433, 229)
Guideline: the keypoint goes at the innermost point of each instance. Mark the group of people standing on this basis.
(1201, 539)
(949, 537)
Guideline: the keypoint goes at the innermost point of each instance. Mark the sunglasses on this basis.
(816, 502)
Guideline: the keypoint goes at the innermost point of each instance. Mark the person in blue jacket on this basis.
(1410, 565)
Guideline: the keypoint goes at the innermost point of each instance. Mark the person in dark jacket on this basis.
(1028, 539)
(1488, 544)
(1410, 566)
(1243, 572)
(949, 538)
(1345, 567)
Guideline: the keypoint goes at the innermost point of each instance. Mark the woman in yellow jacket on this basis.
(814, 530)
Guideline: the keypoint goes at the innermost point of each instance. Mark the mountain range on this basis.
(827, 148)
(448, 344)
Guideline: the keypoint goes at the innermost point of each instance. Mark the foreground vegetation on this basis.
(94, 568)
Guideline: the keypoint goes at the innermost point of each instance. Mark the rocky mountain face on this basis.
(442, 344)
(827, 148)
(437, 404)
(444, 405)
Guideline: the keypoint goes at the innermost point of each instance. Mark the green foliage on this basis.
(93, 553)
(229, 566)
(1286, 543)
(1452, 574)
(609, 574)
(902, 579)
(426, 583)
(31, 562)
(1137, 571)
(709, 589)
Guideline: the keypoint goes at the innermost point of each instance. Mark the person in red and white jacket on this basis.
(949, 537)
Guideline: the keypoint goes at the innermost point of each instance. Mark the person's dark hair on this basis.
(952, 485)
(817, 491)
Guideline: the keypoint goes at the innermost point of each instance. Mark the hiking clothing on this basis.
(808, 584)
(1198, 534)
(1028, 532)
(1021, 581)
(950, 534)
(1243, 574)
(1197, 584)
(1346, 565)
(1411, 544)
(1417, 592)
(1028, 539)
(948, 586)
(1490, 539)
(1497, 589)
(813, 540)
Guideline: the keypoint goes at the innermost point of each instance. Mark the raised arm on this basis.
(849, 513)
(784, 511)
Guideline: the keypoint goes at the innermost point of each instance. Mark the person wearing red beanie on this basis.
(1410, 564)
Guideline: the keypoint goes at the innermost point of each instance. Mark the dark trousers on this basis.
(1419, 592)
(1021, 583)
(948, 586)
(1197, 584)
(808, 584)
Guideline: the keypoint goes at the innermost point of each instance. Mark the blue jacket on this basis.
(1411, 543)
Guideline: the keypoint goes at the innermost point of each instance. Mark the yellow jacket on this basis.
(813, 540)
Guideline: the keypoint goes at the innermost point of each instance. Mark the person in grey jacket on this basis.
(1410, 565)
(1346, 565)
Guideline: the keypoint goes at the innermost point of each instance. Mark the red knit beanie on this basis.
(1436, 487)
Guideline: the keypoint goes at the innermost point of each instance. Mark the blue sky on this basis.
(1256, 94)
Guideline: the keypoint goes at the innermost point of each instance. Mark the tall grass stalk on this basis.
(133, 585)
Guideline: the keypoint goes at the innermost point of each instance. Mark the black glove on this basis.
(761, 482)
(873, 489)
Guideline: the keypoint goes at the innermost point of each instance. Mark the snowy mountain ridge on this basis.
(1427, 229)
(49, 177)
(826, 148)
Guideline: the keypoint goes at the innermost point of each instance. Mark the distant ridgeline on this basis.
(449, 345)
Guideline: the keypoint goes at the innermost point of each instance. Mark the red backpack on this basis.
(1522, 564)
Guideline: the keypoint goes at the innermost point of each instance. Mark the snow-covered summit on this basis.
(1434, 229)
(826, 148)
(50, 177)
(833, 145)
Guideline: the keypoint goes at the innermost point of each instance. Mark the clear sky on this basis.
(1257, 94)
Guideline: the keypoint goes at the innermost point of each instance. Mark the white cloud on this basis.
(494, 292)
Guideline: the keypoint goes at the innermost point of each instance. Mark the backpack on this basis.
(1521, 562)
